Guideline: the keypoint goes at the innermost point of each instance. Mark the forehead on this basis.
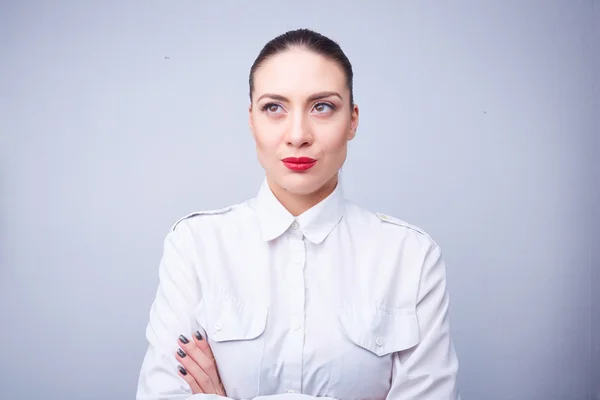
(299, 72)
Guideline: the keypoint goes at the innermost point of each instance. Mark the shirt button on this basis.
(295, 225)
(295, 323)
(218, 327)
(379, 341)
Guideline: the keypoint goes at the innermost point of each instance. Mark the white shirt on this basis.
(338, 302)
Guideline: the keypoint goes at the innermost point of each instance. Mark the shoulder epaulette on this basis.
(197, 213)
(399, 222)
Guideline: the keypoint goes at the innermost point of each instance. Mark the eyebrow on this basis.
(312, 97)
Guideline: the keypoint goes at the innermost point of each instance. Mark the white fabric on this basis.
(339, 302)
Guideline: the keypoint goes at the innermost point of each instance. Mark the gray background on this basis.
(117, 118)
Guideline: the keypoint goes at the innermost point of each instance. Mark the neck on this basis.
(296, 204)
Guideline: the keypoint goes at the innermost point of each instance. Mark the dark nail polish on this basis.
(181, 353)
(198, 335)
(183, 339)
(183, 371)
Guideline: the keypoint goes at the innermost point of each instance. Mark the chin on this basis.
(302, 184)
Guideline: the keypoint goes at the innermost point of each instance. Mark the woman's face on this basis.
(301, 120)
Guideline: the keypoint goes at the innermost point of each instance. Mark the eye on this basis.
(272, 108)
(322, 108)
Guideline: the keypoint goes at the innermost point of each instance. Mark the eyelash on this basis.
(267, 105)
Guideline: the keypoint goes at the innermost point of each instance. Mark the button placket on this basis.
(296, 302)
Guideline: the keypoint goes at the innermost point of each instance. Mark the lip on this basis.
(299, 163)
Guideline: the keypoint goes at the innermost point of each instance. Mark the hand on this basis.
(198, 366)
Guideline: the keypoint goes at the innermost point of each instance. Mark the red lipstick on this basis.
(299, 164)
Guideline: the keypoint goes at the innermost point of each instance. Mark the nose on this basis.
(299, 133)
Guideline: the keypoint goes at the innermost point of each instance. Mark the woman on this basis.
(299, 293)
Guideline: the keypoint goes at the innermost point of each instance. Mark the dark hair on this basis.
(310, 40)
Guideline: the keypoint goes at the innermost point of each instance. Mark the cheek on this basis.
(335, 142)
(267, 137)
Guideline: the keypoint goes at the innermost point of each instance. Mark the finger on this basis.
(206, 363)
(198, 375)
(213, 371)
(191, 354)
(203, 345)
(189, 379)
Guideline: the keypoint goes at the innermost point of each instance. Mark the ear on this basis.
(353, 122)
(250, 123)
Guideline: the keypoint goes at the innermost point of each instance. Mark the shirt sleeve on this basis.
(429, 370)
(171, 315)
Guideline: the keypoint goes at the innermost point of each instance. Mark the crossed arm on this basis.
(428, 371)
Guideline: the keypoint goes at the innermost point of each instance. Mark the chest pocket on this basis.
(235, 329)
(232, 320)
(381, 331)
(370, 337)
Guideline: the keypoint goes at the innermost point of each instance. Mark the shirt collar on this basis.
(315, 223)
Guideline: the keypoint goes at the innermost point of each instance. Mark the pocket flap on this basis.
(380, 331)
(229, 319)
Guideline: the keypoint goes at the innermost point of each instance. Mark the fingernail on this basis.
(182, 370)
(181, 353)
(183, 339)
(198, 335)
